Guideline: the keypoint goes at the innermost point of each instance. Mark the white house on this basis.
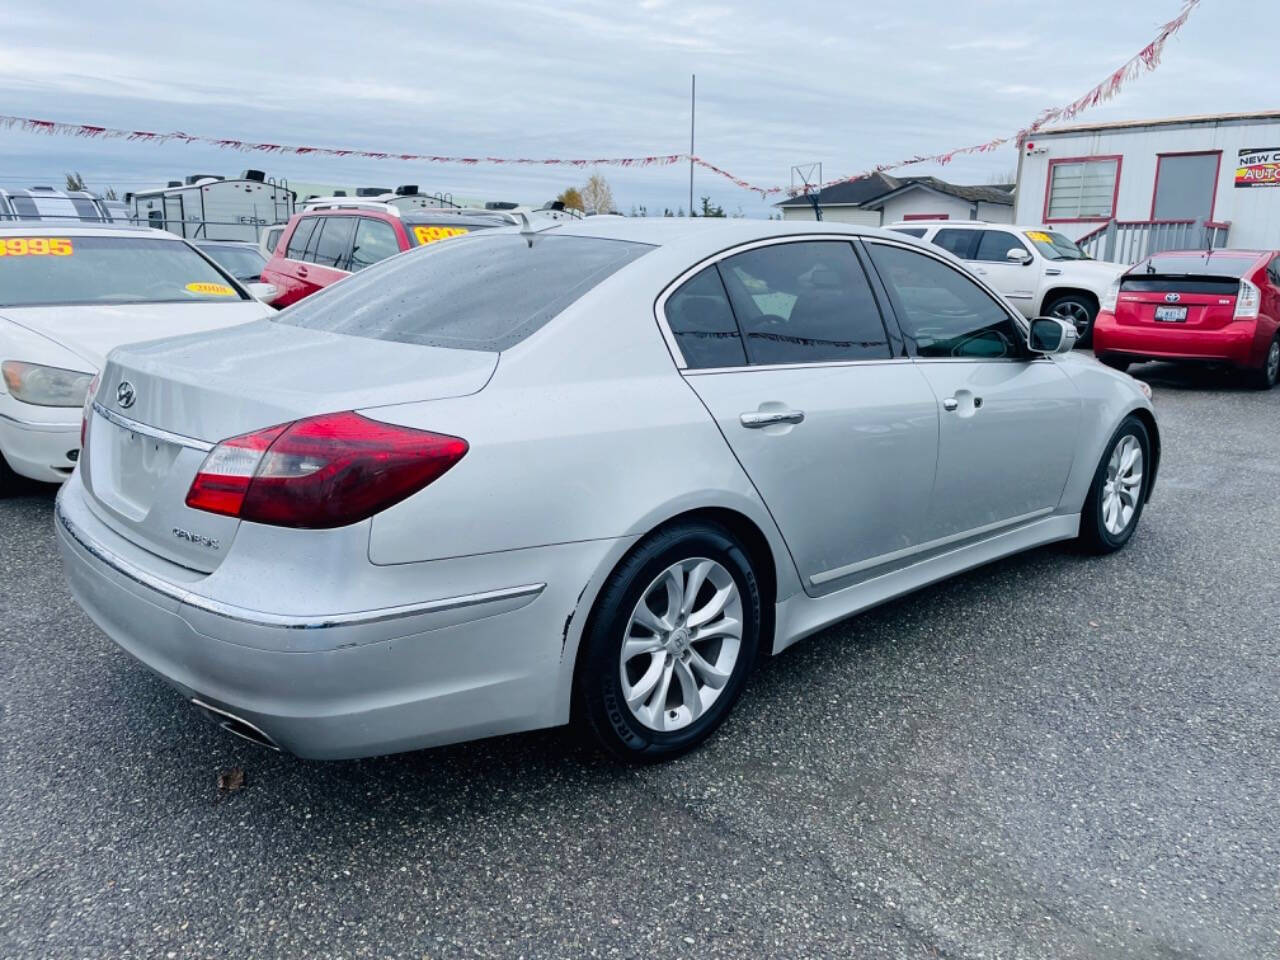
(879, 199)
(1156, 182)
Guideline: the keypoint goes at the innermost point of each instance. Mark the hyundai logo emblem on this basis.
(1172, 297)
(125, 394)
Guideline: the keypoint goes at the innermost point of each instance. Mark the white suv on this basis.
(1039, 271)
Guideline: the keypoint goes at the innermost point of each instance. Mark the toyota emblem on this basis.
(1172, 297)
(125, 394)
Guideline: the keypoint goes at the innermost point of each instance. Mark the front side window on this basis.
(804, 302)
(943, 312)
(994, 246)
(486, 291)
(701, 320)
(375, 240)
(1082, 189)
(962, 243)
(52, 270)
(333, 246)
(297, 248)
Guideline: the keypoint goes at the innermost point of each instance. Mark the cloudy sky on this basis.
(849, 83)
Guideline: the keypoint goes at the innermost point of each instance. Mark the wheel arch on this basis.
(1153, 434)
(1054, 293)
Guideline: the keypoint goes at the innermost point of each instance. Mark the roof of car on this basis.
(30, 228)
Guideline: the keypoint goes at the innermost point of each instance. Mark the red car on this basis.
(322, 245)
(1219, 306)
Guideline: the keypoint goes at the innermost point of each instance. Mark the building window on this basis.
(1082, 189)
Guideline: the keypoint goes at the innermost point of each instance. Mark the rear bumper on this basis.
(39, 450)
(1236, 343)
(368, 682)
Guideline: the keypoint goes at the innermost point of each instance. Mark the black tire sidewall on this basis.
(1093, 529)
(1263, 381)
(597, 681)
(1092, 310)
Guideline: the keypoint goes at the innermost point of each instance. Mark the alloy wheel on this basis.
(1123, 486)
(1074, 312)
(681, 644)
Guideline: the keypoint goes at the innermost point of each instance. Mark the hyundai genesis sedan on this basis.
(591, 471)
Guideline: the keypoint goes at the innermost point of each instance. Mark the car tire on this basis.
(1119, 491)
(1265, 377)
(1078, 309)
(8, 479)
(634, 665)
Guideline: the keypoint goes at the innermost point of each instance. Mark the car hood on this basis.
(91, 331)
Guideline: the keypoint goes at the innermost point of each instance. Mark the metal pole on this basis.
(693, 107)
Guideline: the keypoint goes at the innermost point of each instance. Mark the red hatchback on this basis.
(322, 245)
(1220, 306)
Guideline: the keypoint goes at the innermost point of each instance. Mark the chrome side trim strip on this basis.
(283, 621)
(133, 426)
(39, 426)
(827, 576)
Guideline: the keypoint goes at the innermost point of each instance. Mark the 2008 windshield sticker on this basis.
(426, 235)
(36, 247)
(211, 289)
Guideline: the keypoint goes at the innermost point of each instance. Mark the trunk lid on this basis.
(188, 393)
(1155, 300)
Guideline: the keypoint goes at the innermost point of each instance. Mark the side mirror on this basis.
(1049, 335)
(266, 292)
(1018, 255)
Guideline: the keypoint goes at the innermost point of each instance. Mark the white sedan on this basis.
(68, 295)
(590, 470)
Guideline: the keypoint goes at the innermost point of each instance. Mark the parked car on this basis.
(48, 204)
(1039, 271)
(1219, 306)
(330, 241)
(592, 470)
(269, 238)
(242, 259)
(68, 295)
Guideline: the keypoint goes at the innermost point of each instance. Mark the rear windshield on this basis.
(52, 270)
(1196, 265)
(473, 293)
(422, 232)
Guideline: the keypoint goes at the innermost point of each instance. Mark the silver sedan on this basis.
(593, 470)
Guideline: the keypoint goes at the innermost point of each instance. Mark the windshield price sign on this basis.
(1258, 168)
(36, 247)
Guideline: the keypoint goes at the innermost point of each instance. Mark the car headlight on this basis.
(45, 386)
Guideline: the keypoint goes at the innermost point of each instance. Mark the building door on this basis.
(1185, 186)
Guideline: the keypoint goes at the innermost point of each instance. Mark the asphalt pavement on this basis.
(1054, 756)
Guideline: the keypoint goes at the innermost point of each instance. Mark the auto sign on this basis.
(1258, 168)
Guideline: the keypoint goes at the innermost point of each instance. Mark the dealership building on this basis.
(1126, 189)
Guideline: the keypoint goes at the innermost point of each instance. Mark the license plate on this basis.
(1171, 314)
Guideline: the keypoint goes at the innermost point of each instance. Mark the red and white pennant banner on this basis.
(1148, 58)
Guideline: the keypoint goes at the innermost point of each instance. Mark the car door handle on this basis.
(756, 420)
(951, 403)
(302, 271)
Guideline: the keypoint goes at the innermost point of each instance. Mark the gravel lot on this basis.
(1054, 757)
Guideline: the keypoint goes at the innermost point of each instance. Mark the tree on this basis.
(597, 195)
(75, 181)
(110, 194)
(572, 199)
(710, 209)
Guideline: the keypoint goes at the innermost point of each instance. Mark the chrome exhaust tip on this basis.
(238, 726)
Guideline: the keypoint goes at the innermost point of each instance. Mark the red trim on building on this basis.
(926, 216)
(1217, 171)
(1115, 193)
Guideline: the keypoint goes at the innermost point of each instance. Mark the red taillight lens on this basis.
(322, 472)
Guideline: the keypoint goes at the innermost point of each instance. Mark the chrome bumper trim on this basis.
(283, 621)
(155, 433)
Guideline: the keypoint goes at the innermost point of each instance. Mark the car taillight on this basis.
(321, 472)
(1247, 301)
(86, 412)
(1112, 295)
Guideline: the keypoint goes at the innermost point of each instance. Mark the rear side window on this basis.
(375, 240)
(805, 302)
(960, 242)
(942, 311)
(994, 246)
(333, 248)
(479, 292)
(301, 234)
(701, 320)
